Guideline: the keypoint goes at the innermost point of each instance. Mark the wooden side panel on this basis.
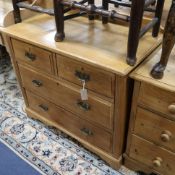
(123, 96)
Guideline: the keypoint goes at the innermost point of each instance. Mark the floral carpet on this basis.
(47, 149)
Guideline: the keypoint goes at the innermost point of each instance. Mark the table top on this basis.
(103, 46)
(142, 73)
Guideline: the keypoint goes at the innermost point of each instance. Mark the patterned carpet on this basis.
(47, 149)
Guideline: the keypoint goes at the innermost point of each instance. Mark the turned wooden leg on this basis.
(136, 16)
(158, 14)
(16, 11)
(167, 45)
(59, 20)
(105, 6)
(91, 16)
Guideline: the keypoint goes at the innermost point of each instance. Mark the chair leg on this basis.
(136, 16)
(16, 11)
(105, 6)
(59, 20)
(167, 45)
(158, 14)
(91, 16)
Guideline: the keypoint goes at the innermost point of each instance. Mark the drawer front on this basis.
(97, 80)
(155, 128)
(95, 109)
(80, 128)
(153, 156)
(32, 55)
(157, 99)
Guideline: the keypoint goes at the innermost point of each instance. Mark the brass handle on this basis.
(166, 136)
(37, 83)
(44, 107)
(86, 132)
(157, 162)
(171, 108)
(30, 56)
(82, 76)
(84, 105)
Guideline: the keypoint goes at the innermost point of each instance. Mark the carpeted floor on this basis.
(47, 149)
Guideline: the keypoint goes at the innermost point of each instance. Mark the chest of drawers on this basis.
(51, 74)
(151, 138)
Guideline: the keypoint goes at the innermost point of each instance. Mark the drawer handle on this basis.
(37, 83)
(30, 56)
(166, 136)
(84, 105)
(171, 108)
(86, 132)
(157, 162)
(44, 107)
(82, 76)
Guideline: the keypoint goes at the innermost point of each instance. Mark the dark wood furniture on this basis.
(136, 16)
(168, 44)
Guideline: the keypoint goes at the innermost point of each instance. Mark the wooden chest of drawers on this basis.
(151, 138)
(51, 76)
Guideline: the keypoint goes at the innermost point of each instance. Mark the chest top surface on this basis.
(142, 73)
(100, 45)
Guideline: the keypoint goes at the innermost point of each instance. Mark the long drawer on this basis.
(97, 80)
(157, 99)
(95, 109)
(155, 128)
(80, 128)
(32, 55)
(153, 156)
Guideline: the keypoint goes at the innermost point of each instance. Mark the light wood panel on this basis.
(100, 111)
(157, 99)
(99, 81)
(158, 130)
(103, 46)
(153, 156)
(33, 56)
(73, 124)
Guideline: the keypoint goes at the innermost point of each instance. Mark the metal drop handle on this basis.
(84, 105)
(44, 107)
(86, 132)
(37, 83)
(30, 56)
(82, 75)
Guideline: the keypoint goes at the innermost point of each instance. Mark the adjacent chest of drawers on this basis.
(151, 138)
(51, 75)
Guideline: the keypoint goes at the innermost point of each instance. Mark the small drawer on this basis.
(157, 99)
(97, 80)
(153, 156)
(155, 128)
(80, 128)
(94, 109)
(32, 55)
